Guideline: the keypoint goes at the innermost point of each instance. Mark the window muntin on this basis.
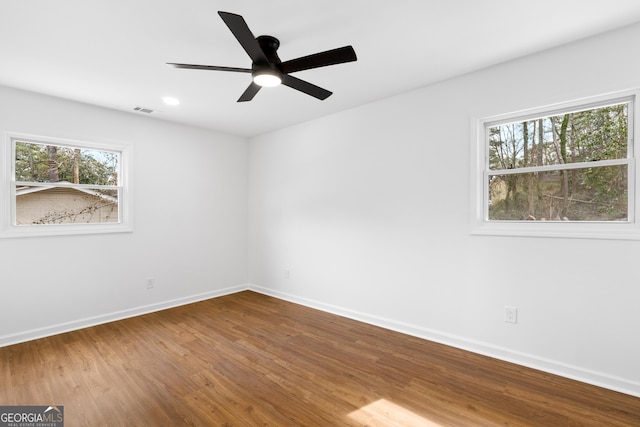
(566, 165)
(56, 187)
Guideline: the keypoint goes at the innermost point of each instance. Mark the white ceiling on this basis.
(112, 53)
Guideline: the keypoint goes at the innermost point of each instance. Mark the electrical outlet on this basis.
(151, 282)
(287, 274)
(511, 314)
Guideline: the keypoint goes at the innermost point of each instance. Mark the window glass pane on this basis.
(53, 163)
(585, 194)
(583, 136)
(63, 205)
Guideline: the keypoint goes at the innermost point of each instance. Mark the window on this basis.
(56, 187)
(566, 170)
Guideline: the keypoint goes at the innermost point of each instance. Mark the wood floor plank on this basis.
(251, 360)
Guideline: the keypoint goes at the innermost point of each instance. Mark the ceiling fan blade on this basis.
(209, 67)
(321, 59)
(250, 92)
(306, 87)
(245, 37)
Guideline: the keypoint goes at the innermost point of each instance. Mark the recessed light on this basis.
(170, 100)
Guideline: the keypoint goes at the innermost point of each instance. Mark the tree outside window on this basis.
(570, 166)
(58, 187)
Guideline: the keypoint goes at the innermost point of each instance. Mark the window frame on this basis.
(8, 226)
(481, 225)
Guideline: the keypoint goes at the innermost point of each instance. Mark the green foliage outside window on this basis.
(561, 167)
(50, 163)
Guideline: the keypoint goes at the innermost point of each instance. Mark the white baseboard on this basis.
(554, 367)
(531, 361)
(112, 317)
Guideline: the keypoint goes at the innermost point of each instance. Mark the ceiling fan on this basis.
(267, 69)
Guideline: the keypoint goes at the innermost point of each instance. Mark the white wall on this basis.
(190, 219)
(369, 211)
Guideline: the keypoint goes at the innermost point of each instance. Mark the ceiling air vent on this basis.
(143, 110)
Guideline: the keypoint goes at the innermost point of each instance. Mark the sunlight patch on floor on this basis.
(385, 413)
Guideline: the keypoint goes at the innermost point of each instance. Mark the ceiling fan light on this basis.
(266, 78)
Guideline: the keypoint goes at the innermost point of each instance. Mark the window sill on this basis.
(559, 229)
(63, 230)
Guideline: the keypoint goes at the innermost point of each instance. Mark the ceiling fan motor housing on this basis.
(269, 46)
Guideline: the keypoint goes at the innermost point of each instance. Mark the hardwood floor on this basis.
(247, 360)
